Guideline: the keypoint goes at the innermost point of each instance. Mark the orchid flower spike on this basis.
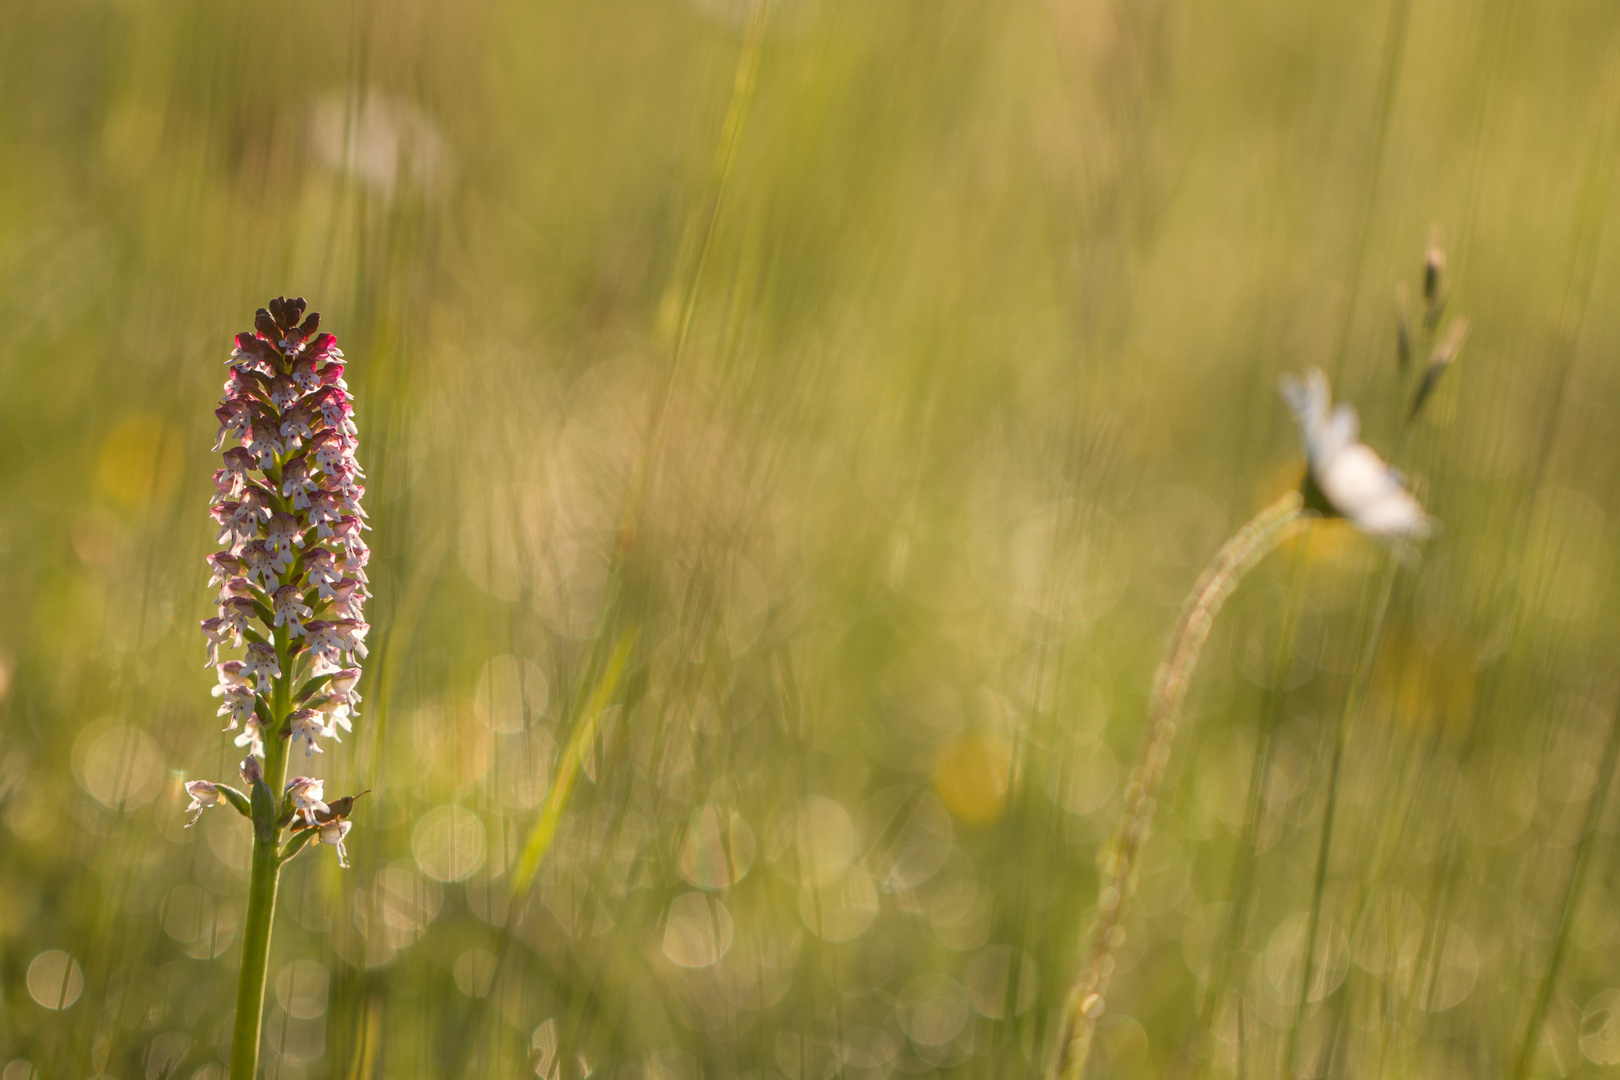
(1347, 478)
(291, 594)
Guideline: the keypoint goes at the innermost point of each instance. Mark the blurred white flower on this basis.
(1352, 480)
(384, 143)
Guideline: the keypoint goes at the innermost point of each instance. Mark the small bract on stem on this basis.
(292, 589)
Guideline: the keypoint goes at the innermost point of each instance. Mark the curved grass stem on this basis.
(1118, 861)
(568, 769)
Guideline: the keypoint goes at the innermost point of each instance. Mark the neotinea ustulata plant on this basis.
(292, 586)
(1344, 478)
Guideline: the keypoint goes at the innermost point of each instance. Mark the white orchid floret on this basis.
(264, 446)
(352, 632)
(347, 531)
(348, 598)
(255, 502)
(235, 588)
(324, 511)
(224, 566)
(283, 393)
(346, 487)
(309, 725)
(290, 610)
(335, 406)
(234, 613)
(203, 794)
(226, 487)
(336, 711)
(217, 633)
(295, 426)
(240, 704)
(332, 833)
(281, 536)
(252, 738)
(234, 420)
(350, 496)
(262, 663)
(231, 677)
(260, 565)
(306, 378)
(323, 571)
(236, 525)
(330, 452)
(325, 645)
(354, 563)
(1353, 480)
(296, 483)
(306, 793)
(341, 689)
(354, 546)
(238, 462)
(343, 684)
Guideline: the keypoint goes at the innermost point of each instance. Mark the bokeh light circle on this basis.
(120, 766)
(55, 979)
(448, 843)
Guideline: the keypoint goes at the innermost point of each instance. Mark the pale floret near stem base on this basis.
(203, 795)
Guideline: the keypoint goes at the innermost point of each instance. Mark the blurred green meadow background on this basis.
(880, 375)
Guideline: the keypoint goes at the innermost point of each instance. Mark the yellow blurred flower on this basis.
(1425, 687)
(140, 460)
(971, 775)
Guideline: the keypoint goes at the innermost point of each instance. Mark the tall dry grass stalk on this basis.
(1086, 999)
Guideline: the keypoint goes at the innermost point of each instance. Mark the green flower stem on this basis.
(266, 872)
(255, 958)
